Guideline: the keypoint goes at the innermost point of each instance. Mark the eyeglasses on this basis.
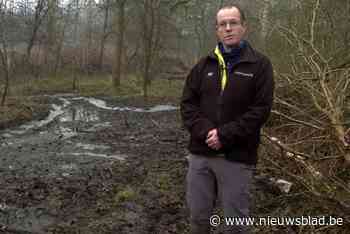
(232, 24)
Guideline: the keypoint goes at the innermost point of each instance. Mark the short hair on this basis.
(240, 10)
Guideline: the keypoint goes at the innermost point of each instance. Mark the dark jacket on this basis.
(238, 112)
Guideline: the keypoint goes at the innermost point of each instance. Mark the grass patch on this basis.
(127, 194)
(96, 85)
(166, 88)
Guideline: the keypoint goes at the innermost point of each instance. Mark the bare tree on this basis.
(4, 50)
(35, 23)
(314, 77)
(88, 39)
(306, 141)
(119, 45)
(75, 65)
(106, 7)
(264, 14)
(51, 32)
(151, 37)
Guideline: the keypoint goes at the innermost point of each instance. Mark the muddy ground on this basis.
(91, 166)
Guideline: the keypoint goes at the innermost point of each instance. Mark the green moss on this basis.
(163, 182)
(126, 194)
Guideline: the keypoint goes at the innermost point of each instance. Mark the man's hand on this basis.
(213, 139)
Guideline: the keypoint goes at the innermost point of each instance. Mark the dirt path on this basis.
(105, 166)
(94, 167)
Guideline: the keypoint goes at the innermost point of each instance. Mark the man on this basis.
(226, 99)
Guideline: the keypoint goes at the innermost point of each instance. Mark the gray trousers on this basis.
(212, 178)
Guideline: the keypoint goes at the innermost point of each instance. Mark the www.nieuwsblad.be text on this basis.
(216, 220)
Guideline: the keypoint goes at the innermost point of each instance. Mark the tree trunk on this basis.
(51, 32)
(120, 23)
(5, 62)
(264, 17)
(75, 63)
(6, 87)
(89, 19)
(148, 37)
(104, 33)
(58, 56)
(4, 55)
(38, 17)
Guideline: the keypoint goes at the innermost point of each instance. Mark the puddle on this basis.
(65, 133)
(159, 108)
(57, 110)
(79, 113)
(69, 167)
(99, 126)
(72, 109)
(91, 147)
(102, 104)
(120, 157)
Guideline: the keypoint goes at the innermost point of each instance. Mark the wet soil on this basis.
(100, 166)
(94, 169)
(16, 112)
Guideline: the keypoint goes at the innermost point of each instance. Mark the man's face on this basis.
(229, 28)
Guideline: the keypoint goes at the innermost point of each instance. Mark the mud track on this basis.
(100, 166)
(91, 169)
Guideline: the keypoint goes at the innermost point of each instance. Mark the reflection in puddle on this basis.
(162, 108)
(69, 167)
(96, 102)
(99, 126)
(66, 133)
(120, 157)
(91, 147)
(79, 113)
(102, 104)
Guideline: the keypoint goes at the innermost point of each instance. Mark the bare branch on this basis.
(297, 121)
(312, 27)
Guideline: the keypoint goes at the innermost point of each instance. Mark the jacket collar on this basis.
(247, 54)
